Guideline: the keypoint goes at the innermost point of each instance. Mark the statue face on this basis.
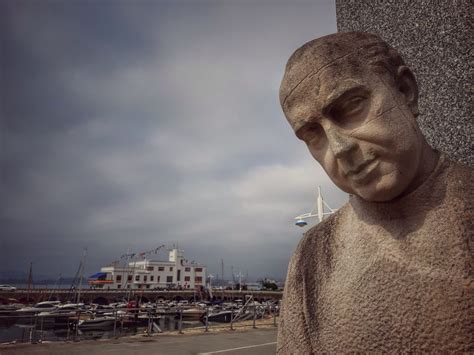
(360, 128)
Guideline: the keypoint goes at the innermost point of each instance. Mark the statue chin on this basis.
(387, 188)
(376, 196)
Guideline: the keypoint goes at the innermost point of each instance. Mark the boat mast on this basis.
(83, 262)
(133, 277)
(222, 269)
(30, 281)
(56, 286)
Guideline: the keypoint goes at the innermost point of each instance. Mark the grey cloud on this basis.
(129, 125)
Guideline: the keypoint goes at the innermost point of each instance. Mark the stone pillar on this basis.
(435, 39)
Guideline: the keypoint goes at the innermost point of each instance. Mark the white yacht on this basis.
(40, 307)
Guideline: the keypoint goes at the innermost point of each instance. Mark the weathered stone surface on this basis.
(436, 39)
(382, 278)
(392, 270)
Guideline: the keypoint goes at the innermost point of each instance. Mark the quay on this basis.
(261, 341)
(102, 296)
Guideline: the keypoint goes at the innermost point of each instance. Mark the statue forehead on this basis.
(313, 57)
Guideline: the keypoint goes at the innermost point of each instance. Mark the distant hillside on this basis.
(20, 275)
(24, 280)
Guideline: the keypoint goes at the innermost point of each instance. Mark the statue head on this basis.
(353, 101)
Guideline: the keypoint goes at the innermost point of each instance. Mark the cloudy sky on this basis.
(130, 124)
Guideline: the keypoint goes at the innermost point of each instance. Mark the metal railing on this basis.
(79, 325)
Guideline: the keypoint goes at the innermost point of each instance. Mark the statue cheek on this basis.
(321, 157)
(330, 165)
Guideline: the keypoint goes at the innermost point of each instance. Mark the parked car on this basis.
(7, 288)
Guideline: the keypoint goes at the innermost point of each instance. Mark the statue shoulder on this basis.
(317, 243)
(463, 173)
(460, 181)
(310, 263)
(323, 231)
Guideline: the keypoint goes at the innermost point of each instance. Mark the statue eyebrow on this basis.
(340, 94)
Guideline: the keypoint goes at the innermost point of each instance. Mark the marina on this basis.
(135, 296)
(55, 321)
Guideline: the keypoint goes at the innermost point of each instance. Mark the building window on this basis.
(158, 278)
(171, 268)
(187, 278)
(118, 278)
(150, 268)
(152, 278)
(198, 269)
(137, 277)
(178, 276)
(198, 279)
(169, 279)
(128, 286)
(161, 268)
(144, 278)
(187, 269)
(129, 278)
(147, 286)
(119, 286)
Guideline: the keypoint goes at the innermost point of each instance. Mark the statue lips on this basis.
(361, 174)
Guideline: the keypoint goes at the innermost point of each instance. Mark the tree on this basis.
(268, 284)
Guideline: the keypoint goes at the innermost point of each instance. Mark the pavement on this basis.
(261, 341)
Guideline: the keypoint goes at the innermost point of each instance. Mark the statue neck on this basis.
(428, 162)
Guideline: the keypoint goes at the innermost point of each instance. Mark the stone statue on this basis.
(392, 270)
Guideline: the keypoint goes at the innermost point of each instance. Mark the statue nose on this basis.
(340, 144)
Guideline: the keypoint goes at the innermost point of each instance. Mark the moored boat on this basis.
(100, 323)
(40, 307)
(220, 317)
(192, 313)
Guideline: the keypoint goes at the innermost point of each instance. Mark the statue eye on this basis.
(352, 106)
(348, 108)
(312, 133)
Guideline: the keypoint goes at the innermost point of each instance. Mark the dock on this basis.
(106, 296)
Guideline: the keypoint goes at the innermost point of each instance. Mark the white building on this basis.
(253, 286)
(177, 272)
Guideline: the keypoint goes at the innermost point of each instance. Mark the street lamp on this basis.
(210, 277)
(318, 211)
(240, 280)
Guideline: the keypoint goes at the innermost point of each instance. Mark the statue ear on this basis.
(407, 85)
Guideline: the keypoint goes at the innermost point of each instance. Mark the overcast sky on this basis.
(131, 124)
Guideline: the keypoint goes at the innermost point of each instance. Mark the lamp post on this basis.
(240, 280)
(210, 277)
(318, 211)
